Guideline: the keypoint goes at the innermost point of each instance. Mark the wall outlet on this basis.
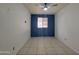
(13, 48)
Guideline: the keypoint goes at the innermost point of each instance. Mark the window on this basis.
(42, 22)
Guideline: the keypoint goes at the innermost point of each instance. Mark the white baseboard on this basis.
(5, 52)
(70, 47)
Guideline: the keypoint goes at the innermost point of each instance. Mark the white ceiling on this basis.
(34, 8)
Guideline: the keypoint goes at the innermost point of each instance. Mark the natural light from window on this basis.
(42, 22)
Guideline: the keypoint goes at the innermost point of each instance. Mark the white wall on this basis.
(13, 31)
(67, 26)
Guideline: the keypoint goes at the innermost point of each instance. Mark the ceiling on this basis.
(35, 8)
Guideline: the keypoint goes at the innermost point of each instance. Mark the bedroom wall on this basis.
(14, 32)
(67, 26)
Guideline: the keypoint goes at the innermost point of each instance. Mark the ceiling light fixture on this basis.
(45, 8)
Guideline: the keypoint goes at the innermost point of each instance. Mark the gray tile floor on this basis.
(45, 46)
